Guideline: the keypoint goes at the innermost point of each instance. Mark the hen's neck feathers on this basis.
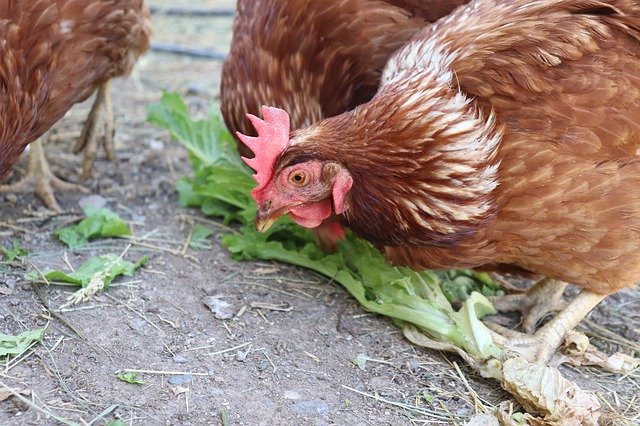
(422, 156)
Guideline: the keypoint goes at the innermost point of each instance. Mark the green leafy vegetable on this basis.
(220, 187)
(93, 276)
(15, 345)
(99, 223)
(199, 237)
(104, 269)
(221, 182)
(458, 284)
(15, 251)
(360, 361)
(130, 377)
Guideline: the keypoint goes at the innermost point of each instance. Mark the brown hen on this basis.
(315, 59)
(53, 54)
(506, 134)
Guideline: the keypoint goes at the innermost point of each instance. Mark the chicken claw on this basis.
(98, 130)
(540, 347)
(41, 180)
(543, 297)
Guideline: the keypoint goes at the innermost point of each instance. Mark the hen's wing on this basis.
(570, 75)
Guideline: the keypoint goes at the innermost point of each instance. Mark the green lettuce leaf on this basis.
(15, 345)
(98, 223)
(104, 268)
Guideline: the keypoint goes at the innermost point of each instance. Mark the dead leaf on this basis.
(575, 343)
(542, 389)
(6, 394)
(6, 291)
(221, 309)
(578, 351)
(179, 390)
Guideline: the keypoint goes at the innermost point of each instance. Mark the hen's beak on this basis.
(265, 218)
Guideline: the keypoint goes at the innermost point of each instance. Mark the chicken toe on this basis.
(41, 180)
(542, 298)
(99, 129)
(541, 346)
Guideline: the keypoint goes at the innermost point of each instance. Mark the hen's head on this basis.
(309, 191)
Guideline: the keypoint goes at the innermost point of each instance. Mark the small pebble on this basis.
(312, 407)
(179, 359)
(413, 364)
(156, 145)
(181, 379)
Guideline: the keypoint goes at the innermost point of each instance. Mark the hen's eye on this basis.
(298, 178)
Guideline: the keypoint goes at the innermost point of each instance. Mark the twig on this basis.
(15, 228)
(230, 349)
(613, 336)
(476, 399)
(163, 372)
(423, 411)
(103, 414)
(209, 222)
(53, 313)
(187, 242)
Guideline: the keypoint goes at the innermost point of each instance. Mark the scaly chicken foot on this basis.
(540, 347)
(99, 129)
(543, 297)
(41, 180)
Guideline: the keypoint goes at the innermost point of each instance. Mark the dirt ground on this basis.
(262, 366)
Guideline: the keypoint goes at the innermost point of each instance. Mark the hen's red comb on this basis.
(272, 140)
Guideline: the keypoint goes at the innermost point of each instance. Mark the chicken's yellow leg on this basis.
(40, 179)
(541, 346)
(98, 130)
(543, 297)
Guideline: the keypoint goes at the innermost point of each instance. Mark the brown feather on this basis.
(55, 53)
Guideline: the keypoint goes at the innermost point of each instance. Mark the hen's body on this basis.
(315, 59)
(55, 53)
(506, 133)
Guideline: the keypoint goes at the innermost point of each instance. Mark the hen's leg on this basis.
(541, 346)
(40, 180)
(98, 130)
(543, 297)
